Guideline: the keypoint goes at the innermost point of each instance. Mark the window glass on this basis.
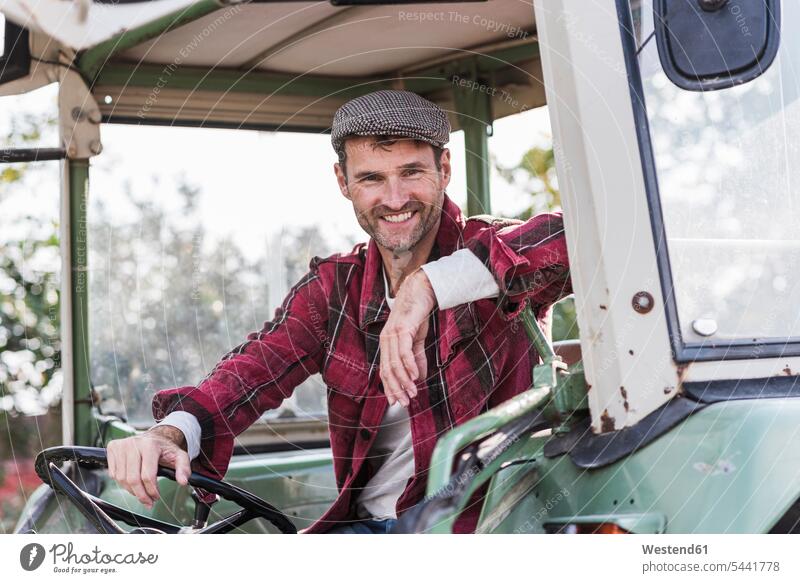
(728, 165)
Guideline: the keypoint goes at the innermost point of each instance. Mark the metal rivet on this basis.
(642, 302)
(705, 326)
(95, 147)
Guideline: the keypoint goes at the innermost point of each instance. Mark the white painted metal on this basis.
(78, 117)
(626, 354)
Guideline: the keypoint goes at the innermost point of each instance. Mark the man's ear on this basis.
(446, 168)
(341, 179)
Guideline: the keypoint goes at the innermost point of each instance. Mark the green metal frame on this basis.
(257, 81)
(729, 468)
(219, 79)
(558, 391)
(457, 438)
(567, 384)
(475, 116)
(235, 81)
(85, 425)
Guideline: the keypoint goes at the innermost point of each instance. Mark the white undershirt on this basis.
(392, 453)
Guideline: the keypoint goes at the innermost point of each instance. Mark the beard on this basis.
(427, 217)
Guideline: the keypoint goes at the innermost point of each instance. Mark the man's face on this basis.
(396, 189)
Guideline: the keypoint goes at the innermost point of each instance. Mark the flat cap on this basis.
(391, 112)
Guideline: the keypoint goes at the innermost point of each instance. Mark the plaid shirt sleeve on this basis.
(255, 376)
(528, 260)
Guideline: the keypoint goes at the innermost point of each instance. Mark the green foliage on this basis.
(535, 173)
(30, 348)
(10, 174)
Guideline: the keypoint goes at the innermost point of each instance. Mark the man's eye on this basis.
(371, 178)
(412, 172)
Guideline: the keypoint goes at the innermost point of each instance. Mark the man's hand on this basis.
(403, 339)
(133, 462)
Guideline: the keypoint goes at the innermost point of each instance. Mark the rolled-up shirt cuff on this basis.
(190, 428)
(460, 278)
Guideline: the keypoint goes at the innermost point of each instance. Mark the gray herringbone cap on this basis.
(390, 112)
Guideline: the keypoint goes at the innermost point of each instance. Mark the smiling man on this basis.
(413, 333)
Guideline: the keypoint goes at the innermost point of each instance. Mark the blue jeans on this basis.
(368, 526)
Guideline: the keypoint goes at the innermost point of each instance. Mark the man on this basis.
(413, 334)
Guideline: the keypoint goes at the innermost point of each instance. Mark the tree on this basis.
(30, 348)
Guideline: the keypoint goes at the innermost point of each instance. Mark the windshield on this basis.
(194, 241)
(728, 168)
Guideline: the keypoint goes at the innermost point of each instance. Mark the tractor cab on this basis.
(674, 140)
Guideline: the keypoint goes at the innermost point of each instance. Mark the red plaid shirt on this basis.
(478, 354)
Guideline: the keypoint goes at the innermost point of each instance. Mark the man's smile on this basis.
(397, 218)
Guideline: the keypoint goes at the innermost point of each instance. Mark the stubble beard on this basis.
(428, 217)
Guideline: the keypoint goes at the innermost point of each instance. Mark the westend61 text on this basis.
(675, 550)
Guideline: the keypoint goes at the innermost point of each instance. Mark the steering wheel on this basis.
(102, 514)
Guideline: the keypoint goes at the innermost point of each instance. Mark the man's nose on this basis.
(397, 195)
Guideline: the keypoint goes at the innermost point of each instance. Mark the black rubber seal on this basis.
(739, 389)
(595, 450)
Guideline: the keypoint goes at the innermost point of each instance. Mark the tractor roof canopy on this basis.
(283, 65)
